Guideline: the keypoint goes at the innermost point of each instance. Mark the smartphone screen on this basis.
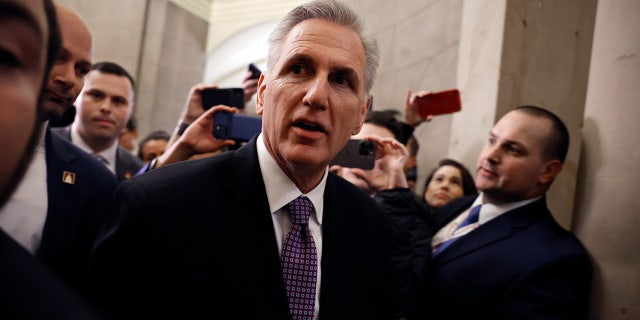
(232, 97)
(438, 103)
(356, 154)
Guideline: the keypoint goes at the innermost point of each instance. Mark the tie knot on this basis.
(474, 215)
(300, 210)
(100, 158)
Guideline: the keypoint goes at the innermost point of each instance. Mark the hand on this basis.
(250, 86)
(391, 157)
(193, 107)
(411, 115)
(197, 139)
(388, 171)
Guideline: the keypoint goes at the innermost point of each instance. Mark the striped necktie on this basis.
(469, 220)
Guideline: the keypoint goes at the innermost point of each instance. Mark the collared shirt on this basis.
(488, 212)
(108, 154)
(24, 214)
(280, 191)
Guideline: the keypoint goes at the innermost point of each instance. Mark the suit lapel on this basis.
(493, 231)
(252, 238)
(61, 197)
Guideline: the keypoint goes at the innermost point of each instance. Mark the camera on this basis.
(356, 154)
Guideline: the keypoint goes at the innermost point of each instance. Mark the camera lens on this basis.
(366, 148)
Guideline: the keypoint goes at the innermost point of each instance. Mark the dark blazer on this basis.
(29, 290)
(196, 240)
(520, 265)
(127, 164)
(75, 211)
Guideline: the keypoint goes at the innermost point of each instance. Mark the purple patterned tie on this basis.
(300, 261)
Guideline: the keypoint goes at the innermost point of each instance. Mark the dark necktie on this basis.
(470, 219)
(100, 158)
(300, 261)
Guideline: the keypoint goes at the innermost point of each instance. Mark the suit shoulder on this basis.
(62, 154)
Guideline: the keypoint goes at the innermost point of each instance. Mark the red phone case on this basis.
(439, 103)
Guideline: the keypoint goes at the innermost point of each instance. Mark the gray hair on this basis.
(332, 11)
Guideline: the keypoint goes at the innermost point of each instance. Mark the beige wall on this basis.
(579, 58)
(606, 202)
(159, 43)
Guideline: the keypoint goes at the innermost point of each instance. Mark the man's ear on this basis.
(365, 110)
(262, 85)
(550, 171)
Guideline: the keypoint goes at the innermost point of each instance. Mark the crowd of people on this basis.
(198, 227)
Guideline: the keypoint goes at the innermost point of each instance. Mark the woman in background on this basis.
(448, 181)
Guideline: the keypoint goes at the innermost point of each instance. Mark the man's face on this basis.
(313, 99)
(23, 48)
(364, 178)
(511, 166)
(73, 63)
(104, 106)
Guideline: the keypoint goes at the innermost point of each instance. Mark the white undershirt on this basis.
(24, 214)
(280, 191)
(108, 154)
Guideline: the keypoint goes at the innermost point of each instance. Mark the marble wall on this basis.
(606, 201)
(159, 43)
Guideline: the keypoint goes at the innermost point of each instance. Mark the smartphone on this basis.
(356, 154)
(232, 97)
(438, 103)
(236, 126)
(255, 72)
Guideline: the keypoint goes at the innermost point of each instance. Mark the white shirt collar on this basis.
(280, 189)
(109, 154)
(490, 211)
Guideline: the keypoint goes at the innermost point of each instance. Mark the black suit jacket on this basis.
(28, 289)
(196, 240)
(127, 164)
(520, 265)
(75, 211)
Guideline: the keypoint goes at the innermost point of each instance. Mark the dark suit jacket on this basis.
(28, 290)
(75, 212)
(520, 265)
(196, 240)
(126, 163)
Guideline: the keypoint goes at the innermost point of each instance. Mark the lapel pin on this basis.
(68, 177)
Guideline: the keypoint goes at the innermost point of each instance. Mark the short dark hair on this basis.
(557, 144)
(132, 123)
(115, 69)
(387, 119)
(155, 135)
(468, 184)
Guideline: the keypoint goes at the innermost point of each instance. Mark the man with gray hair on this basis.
(263, 232)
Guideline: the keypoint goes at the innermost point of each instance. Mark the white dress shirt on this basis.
(488, 212)
(108, 154)
(280, 191)
(24, 214)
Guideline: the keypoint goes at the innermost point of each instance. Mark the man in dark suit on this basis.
(28, 289)
(65, 195)
(510, 259)
(103, 108)
(208, 238)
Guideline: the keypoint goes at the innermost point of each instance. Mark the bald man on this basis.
(64, 197)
